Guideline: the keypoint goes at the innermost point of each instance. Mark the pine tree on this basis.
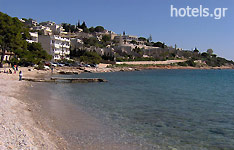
(83, 25)
(78, 25)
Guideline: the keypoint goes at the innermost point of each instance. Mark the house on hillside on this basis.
(34, 37)
(7, 56)
(45, 30)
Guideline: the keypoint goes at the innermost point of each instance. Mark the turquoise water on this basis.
(182, 109)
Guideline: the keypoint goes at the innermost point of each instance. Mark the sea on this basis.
(149, 109)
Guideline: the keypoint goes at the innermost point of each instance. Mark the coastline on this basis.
(124, 67)
(24, 124)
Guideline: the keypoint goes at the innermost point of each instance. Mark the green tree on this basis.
(78, 24)
(86, 30)
(92, 41)
(91, 29)
(210, 51)
(13, 35)
(204, 54)
(106, 38)
(196, 51)
(133, 42)
(142, 39)
(34, 55)
(83, 25)
(159, 44)
(91, 58)
(99, 29)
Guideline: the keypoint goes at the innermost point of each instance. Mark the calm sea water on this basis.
(180, 109)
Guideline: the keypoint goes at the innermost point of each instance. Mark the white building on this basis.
(7, 55)
(56, 29)
(56, 46)
(34, 37)
(45, 30)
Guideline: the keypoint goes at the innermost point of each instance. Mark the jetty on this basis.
(69, 80)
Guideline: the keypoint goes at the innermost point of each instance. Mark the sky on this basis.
(140, 18)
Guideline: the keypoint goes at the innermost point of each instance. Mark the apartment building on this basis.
(56, 46)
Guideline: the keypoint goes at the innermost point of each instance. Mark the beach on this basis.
(17, 127)
(67, 116)
(32, 119)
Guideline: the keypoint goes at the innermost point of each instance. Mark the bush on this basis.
(182, 64)
(91, 58)
(191, 63)
(40, 66)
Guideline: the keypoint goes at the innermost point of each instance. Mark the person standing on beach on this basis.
(52, 69)
(20, 75)
(10, 72)
(14, 69)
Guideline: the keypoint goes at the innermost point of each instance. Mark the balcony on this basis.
(67, 52)
(57, 52)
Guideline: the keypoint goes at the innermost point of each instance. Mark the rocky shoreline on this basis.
(79, 70)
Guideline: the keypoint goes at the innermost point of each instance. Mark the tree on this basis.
(91, 58)
(83, 25)
(69, 27)
(159, 44)
(78, 24)
(142, 39)
(33, 55)
(210, 51)
(86, 30)
(204, 54)
(91, 29)
(99, 29)
(92, 41)
(106, 38)
(13, 35)
(133, 42)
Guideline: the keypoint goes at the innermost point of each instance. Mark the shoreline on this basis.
(126, 68)
(22, 118)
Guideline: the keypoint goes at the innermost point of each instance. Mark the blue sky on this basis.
(140, 18)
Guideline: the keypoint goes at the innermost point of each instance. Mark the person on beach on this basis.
(20, 75)
(52, 69)
(10, 72)
(14, 69)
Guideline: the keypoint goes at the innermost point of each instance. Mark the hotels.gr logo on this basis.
(217, 13)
